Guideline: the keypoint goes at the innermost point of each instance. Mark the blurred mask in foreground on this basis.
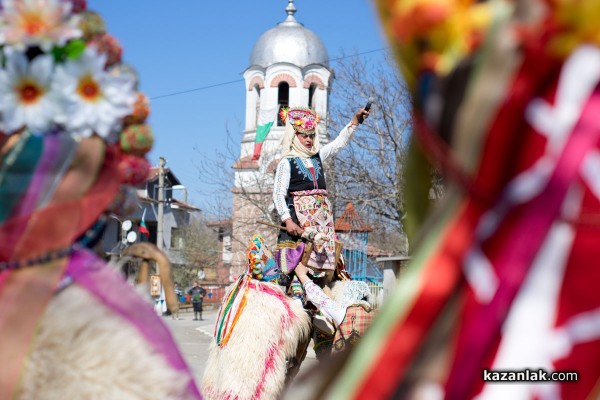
(507, 106)
(73, 138)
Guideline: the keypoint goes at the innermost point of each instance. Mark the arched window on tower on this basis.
(311, 95)
(283, 98)
(257, 89)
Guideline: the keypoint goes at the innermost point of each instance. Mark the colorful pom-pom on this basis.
(141, 110)
(91, 24)
(137, 139)
(78, 6)
(108, 45)
(133, 170)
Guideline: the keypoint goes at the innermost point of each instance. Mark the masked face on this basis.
(261, 263)
(65, 171)
(270, 269)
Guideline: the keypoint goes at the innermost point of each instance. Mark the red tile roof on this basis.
(351, 221)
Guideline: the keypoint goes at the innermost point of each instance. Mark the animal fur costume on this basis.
(257, 329)
(72, 133)
(83, 350)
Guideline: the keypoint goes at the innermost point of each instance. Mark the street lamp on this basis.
(173, 188)
(181, 187)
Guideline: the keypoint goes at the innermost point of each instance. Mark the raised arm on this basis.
(345, 135)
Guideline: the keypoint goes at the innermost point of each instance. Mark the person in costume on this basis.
(72, 143)
(300, 192)
(349, 308)
(257, 332)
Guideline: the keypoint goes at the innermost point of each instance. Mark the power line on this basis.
(241, 80)
(196, 89)
(360, 54)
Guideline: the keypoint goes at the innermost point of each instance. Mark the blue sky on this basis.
(181, 45)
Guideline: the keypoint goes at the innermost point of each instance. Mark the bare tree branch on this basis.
(369, 172)
(201, 248)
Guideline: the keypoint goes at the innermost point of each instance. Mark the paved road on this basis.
(194, 337)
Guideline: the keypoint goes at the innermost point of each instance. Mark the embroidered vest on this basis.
(303, 178)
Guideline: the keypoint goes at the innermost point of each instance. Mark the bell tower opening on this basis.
(311, 95)
(257, 104)
(283, 99)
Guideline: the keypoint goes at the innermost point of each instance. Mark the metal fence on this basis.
(376, 295)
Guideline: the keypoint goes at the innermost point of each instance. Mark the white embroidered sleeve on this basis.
(331, 148)
(324, 303)
(280, 188)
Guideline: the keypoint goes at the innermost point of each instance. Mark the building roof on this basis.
(225, 223)
(351, 221)
(373, 251)
(289, 42)
(153, 175)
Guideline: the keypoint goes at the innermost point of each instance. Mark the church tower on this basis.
(289, 66)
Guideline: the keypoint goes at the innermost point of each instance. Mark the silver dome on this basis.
(289, 42)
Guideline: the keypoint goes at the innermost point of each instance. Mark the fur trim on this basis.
(84, 351)
(252, 365)
(341, 294)
(337, 290)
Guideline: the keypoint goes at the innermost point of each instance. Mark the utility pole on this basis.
(160, 306)
(161, 203)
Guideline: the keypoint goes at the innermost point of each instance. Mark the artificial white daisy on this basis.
(26, 94)
(94, 100)
(41, 23)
